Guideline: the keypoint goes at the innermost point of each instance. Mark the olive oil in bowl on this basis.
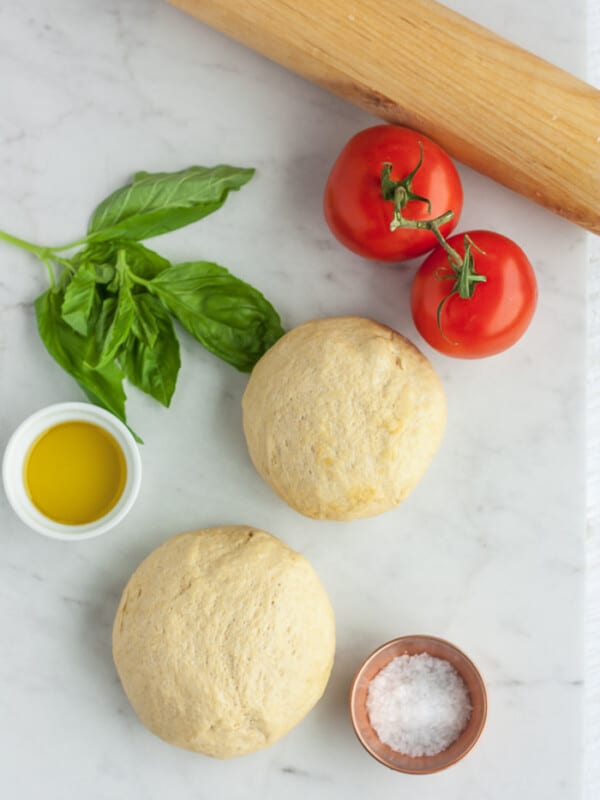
(75, 473)
(72, 471)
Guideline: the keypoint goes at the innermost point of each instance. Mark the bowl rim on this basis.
(478, 728)
(19, 444)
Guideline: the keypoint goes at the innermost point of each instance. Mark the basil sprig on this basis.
(108, 314)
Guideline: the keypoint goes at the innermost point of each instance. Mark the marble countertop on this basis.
(592, 632)
(487, 552)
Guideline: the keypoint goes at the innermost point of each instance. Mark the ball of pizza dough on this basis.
(342, 416)
(223, 640)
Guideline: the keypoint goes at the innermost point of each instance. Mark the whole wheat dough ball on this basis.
(223, 640)
(342, 417)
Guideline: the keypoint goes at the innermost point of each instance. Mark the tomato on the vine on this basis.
(478, 302)
(390, 177)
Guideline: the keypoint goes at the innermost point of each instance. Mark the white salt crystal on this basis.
(418, 705)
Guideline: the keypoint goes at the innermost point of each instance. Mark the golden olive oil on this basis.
(75, 473)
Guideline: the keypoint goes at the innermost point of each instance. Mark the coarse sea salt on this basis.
(418, 705)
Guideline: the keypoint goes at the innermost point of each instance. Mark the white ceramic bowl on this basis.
(18, 446)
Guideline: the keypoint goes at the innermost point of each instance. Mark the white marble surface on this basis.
(592, 617)
(489, 549)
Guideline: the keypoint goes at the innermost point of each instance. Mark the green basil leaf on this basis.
(229, 317)
(104, 273)
(141, 261)
(112, 328)
(100, 258)
(156, 203)
(80, 297)
(145, 325)
(114, 287)
(95, 342)
(154, 369)
(102, 386)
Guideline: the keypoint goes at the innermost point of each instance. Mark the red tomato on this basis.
(355, 208)
(497, 313)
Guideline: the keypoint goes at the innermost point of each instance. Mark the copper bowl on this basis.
(413, 645)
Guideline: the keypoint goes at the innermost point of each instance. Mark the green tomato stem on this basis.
(465, 279)
(389, 188)
(419, 224)
(400, 193)
(468, 278)
(434, 227)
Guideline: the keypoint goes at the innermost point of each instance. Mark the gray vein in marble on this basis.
(511, 683)
(303, 773)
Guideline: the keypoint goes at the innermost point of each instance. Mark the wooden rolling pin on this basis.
(490, 104)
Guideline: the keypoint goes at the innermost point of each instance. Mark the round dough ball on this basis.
(223, 640)
(342, 417)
